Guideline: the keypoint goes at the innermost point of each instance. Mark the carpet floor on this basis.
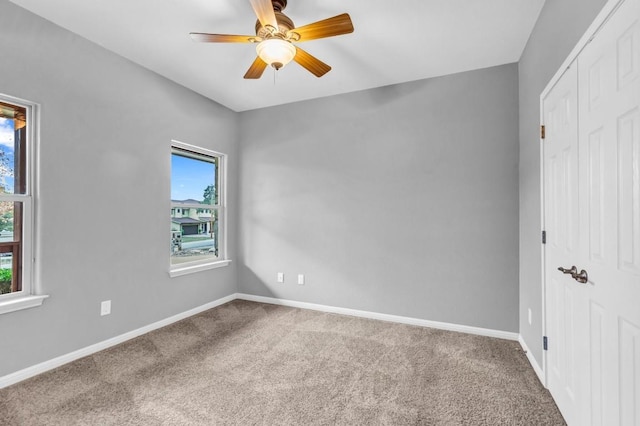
(246, 363)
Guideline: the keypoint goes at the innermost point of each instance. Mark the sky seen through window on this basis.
(190, 177)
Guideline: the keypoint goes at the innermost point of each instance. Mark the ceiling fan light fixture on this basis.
(275, 35)
(276, 52)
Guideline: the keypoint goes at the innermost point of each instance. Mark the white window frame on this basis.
(27, 296)
(222, 259)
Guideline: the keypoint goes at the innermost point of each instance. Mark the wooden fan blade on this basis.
(330, 27)
(256, 69)
(264, 12)
(314, 65)
(222, 38)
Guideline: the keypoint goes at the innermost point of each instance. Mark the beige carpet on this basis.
(247, 363)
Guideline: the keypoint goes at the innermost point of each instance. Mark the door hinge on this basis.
(544, 237)
(543, 132)
(545, 345)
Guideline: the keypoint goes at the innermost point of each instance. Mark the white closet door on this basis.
(609, 175)
(592, 217)
(564, 296)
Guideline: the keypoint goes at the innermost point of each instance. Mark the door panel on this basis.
(629, 373)
(596, 196)
(596, 355)
(568, 340)
(629, 191)
(628, 53)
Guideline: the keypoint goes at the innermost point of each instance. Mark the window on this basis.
(197, 209)
(17, 123)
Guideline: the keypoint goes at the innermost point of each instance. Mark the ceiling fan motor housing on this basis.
(279, 5)
(285, 24)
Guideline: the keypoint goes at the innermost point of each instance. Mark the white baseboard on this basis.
(532, 361)
(383, 317)
(28, 372)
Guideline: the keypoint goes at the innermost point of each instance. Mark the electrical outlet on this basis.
(280, 277)
(529, 316)
(301, 279)
(105, 308)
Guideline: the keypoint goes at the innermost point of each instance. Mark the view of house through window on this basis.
(13, 195)
(195, 206)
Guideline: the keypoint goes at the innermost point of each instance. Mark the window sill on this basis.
(20, 303)
(179, 271)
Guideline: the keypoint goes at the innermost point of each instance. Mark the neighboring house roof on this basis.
(186, 220)
(189, 201)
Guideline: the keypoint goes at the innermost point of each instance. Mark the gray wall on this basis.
(559, 27)
(104, 195)
(400, 200)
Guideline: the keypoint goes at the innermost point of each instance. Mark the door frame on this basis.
(607, 11)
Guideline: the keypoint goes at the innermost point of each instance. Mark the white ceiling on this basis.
(393, 41)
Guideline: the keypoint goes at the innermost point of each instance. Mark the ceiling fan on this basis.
(275, 34)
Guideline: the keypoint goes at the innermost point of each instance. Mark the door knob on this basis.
(573, 271)
(582, 277)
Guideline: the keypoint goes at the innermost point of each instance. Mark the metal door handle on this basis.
(573, 271)
(582, 277)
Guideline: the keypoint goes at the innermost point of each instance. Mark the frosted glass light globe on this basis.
(276, 52)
